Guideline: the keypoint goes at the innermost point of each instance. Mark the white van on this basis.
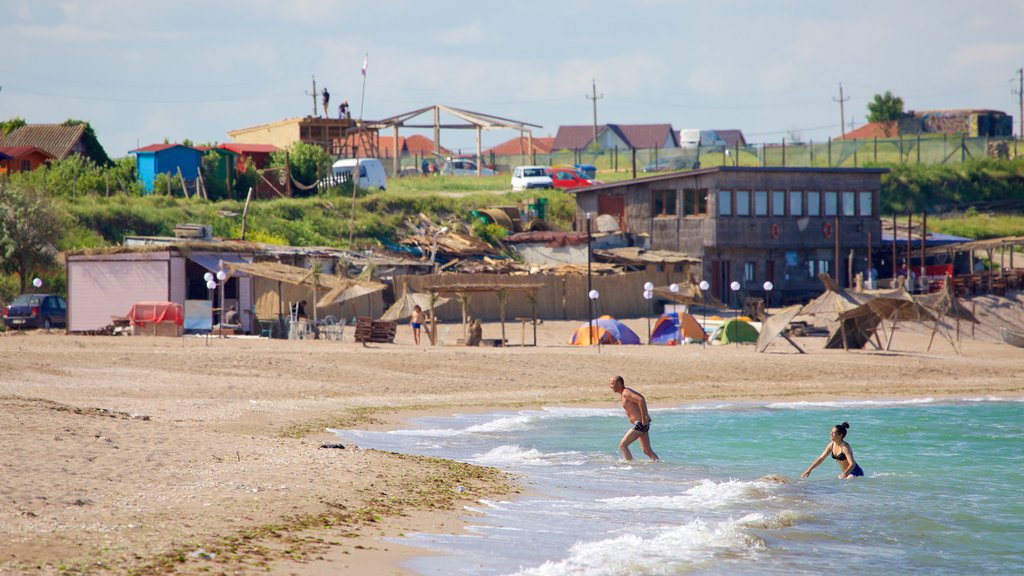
(371, 172)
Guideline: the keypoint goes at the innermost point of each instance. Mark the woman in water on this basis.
(840, 451)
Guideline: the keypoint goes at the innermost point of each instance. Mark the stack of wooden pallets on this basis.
(379, 331)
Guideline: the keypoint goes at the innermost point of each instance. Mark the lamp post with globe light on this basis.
(593, 296)
(735, 287)
(704, 286)
(768, 287)
(211, 285)
(220, 277)
(648, 295)
(37, 283)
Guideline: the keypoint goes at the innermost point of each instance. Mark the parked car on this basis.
(371, 173)
(527, 177)
(463, 167)
(36, 311)
(566, 177)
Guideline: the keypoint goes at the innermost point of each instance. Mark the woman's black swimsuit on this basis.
(856, 467)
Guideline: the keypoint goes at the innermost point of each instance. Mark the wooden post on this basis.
(245, 211)
(895, 265)
(184, 188)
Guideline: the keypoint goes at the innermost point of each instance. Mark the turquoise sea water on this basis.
(943, 491)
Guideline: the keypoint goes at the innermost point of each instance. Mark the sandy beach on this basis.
(180, 456)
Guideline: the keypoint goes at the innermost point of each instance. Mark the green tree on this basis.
(886, 109)
(8, 126)
(31, 227)
(307, 162)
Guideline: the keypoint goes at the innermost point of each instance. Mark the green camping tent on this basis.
(737, 331)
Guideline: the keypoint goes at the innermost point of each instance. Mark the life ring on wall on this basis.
(774, 231)
(826, 230)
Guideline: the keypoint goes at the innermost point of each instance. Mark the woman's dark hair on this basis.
(842, 428)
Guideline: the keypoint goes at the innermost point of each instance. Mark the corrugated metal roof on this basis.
(250, 148)
(159, 148)
(57, 140)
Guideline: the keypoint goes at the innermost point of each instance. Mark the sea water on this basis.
(943, 491)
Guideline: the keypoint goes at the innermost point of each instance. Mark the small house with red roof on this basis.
(259, 153)
(166, 159)
(22, 158)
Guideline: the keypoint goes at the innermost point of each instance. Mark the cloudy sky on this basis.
(145, 72)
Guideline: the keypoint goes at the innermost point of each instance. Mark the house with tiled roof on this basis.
(867, 132)
(59, 140)
(415, 145)
(22, 158)
(166, 159)
(616, 136)
(521, 147)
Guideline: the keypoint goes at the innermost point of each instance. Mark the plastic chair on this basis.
(266, 327)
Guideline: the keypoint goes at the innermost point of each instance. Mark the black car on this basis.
(36, 311)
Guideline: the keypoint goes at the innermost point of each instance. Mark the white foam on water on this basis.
(847, 404)
(512, 455)
(671, 550)
(705, 494)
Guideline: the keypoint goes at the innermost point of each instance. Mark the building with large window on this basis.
(751, 225)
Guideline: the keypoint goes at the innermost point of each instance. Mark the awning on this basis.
(212, 261)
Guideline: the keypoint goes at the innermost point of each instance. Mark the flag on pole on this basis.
(365, 60)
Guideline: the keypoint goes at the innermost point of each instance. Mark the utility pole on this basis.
(313, 94)
(842, 114)
(595, 98)
(1019, 91)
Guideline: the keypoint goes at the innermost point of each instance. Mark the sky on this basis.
(147, 72)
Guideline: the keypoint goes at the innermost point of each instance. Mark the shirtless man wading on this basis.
(635, 406)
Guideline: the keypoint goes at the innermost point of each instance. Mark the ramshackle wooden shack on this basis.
(751, 225)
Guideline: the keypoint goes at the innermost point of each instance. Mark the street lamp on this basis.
(648, 294)
(735, 287)
(704, 286)
(594, 295)
(590, 290)
(211, 285)
(37, 282)
(221, 276)
(433, 251)
(768, 287)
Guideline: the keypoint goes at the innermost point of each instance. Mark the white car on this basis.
(463, 167)
(526, 177)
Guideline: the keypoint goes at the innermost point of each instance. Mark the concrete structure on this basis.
(751, 225)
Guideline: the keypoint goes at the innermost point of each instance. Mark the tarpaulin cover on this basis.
(143, 313)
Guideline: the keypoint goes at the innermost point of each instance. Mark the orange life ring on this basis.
(774, 231)
(826, 230)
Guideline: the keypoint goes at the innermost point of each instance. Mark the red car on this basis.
(565, 177)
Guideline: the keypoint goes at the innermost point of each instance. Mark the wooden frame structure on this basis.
(472, 121)
(465, 291)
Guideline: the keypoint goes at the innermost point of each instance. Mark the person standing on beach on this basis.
(635, 406)
(417, 323)
(840, 452)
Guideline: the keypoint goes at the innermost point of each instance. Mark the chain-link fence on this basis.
(930, 149)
